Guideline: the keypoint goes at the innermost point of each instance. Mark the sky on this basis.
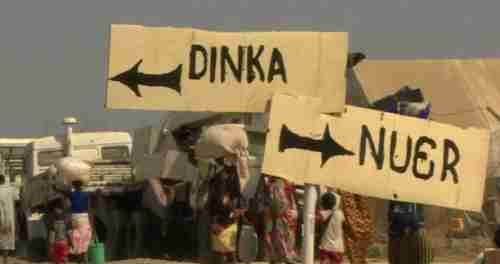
(53, 53)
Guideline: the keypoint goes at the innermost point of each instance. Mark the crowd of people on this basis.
(344, 226)
(67, 222)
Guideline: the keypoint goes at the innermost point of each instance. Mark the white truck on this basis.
(108, 152)
(12, 151)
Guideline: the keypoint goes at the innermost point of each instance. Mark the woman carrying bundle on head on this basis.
(81, 232)
(226, 145)
(77, 172)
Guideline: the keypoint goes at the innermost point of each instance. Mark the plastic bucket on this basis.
(96, 253)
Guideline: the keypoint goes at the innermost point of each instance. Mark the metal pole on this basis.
(309, 218)
(68, 123)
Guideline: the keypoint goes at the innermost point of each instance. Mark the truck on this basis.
(108, 152)
(12, 151)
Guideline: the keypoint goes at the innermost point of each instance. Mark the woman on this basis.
(226, 205)
(281, 222)
(81, 232)
(358, 228)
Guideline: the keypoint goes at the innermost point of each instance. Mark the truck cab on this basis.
(12, 152)
(107, 152)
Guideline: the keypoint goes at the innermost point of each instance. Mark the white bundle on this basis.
(413, 109)
(221, 141)
(72, 169)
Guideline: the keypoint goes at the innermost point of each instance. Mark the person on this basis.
(406, 220)
(331, 236)
(58, 235)
(81, 232)
(480, 259)
(281, 221)
(358, 228)
(8, 196)
(408, 242)
(226, 205)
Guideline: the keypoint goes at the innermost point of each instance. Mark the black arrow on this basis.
(133, 78)
(327, 146)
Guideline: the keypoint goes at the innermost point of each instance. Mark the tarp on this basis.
(462, 92)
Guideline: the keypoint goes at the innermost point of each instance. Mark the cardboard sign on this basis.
(376, 154)
(174, 69)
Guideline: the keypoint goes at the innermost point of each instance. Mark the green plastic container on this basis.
(96, 253)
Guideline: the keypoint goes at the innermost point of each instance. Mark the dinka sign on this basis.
(376, 154)
(175, 69)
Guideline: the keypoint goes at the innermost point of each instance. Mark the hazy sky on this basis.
(53, 53)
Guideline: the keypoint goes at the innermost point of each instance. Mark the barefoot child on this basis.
(331, 240)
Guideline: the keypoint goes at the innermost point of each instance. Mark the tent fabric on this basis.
(354, 92)
(462, 92)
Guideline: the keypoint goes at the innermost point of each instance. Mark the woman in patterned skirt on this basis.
(281, 222)
(358, 227)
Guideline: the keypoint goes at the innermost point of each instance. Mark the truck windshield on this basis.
(116, 153)
(47, 158)
(12, 152)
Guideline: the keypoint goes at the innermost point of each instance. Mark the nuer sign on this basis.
(376, 154)
(193, 70)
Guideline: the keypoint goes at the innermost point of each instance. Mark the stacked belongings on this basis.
(408, 242)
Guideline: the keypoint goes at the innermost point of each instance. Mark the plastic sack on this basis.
(72, 169)
(225, 242)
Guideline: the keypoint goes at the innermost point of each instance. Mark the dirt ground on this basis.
(445, 251)
(160, 261)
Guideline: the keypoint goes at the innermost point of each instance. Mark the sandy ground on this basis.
(458, 251)
(158, 261)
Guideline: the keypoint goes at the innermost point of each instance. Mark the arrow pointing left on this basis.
(132, 78)
(327, 146)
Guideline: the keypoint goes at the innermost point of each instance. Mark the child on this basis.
(58, 237)
(331, 219)
(496, 240)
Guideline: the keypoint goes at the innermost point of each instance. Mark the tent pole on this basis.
(308, 220)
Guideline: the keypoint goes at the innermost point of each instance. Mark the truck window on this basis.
(12, 152)
(115, 153)
(47, 158)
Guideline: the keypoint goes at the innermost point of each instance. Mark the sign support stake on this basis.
(311, 197)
